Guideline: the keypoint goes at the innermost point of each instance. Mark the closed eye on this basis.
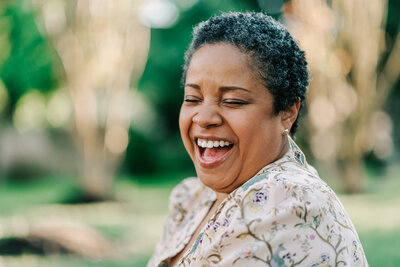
(234, 103)
(191, 100)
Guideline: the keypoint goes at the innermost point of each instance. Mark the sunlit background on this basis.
(89, 102)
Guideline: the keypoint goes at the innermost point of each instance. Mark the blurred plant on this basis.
(344, 42)
(3, 97)
(103, 48)
(5, 48)
(26, 60)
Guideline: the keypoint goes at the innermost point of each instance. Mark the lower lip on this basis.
(211, 163)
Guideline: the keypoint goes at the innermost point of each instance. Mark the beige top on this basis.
(284, 216)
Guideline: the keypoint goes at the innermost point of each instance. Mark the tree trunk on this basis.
(102, 46)
(343, 45)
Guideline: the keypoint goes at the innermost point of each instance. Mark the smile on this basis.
(212, 153)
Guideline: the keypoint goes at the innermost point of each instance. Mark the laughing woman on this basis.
(256, 201)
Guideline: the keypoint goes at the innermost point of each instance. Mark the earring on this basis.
(285, 132)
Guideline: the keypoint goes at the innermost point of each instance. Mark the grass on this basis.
(19, 196)
(382, 247)
(134, 222)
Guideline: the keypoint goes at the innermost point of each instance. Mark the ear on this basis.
(289, 116)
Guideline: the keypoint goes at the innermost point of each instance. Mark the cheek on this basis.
(185, 120)
(255, 132)
(246, 126)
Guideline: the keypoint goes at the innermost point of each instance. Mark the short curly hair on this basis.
(280, 63)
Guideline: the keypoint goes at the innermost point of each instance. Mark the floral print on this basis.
(321, 261)
(284, 216)
(248, 252)
(257, 199)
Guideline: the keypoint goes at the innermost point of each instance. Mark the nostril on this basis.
(210, 126)
(207, 118)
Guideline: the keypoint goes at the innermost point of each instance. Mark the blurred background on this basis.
(89, 102)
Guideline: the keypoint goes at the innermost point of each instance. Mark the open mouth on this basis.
(213, 151)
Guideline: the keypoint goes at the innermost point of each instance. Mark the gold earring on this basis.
(285, 132)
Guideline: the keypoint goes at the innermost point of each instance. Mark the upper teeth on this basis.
(210, 144)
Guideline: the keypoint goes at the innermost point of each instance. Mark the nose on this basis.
(207, 116)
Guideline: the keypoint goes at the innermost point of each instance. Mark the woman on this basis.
(256, 201)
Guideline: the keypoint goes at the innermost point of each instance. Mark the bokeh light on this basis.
(116, 139)
(158, 13)
(381, 130)
(322, 113)
(59, 109)
(30, 113)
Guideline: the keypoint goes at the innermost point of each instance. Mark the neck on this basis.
(220, 198)
(284, 147)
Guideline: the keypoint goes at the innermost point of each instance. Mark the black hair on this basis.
(278, 60)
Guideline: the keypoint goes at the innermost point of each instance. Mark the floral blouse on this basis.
(284, 216)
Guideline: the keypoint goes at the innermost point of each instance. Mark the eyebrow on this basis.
(223, 89)
(195, 86)
(232, 88)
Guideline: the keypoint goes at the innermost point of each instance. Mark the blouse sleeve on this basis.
(180, 200)
(287, 224)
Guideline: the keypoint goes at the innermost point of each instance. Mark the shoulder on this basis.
(288, 181)
(185, 185)
(184, 193)
(284, 220)
(292, 191)
(300, 214)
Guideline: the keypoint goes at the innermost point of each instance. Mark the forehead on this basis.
(221, 62)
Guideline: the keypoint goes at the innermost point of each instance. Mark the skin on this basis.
(225, 100)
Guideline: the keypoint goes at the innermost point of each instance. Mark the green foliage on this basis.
(392, 102)
(31, 60)
(139, 158)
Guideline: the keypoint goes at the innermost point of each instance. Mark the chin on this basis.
(215, 182)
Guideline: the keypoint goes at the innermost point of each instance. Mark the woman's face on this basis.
(226, 121)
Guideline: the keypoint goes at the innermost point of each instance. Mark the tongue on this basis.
(215, 152)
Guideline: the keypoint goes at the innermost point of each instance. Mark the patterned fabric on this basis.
(284, 216)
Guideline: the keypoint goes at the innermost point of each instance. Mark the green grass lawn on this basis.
(134, 222)
(382, 247)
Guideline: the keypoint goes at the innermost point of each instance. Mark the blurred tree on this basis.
(344, 42)
(103, 48)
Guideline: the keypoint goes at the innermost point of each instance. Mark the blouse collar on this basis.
(293, 154)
